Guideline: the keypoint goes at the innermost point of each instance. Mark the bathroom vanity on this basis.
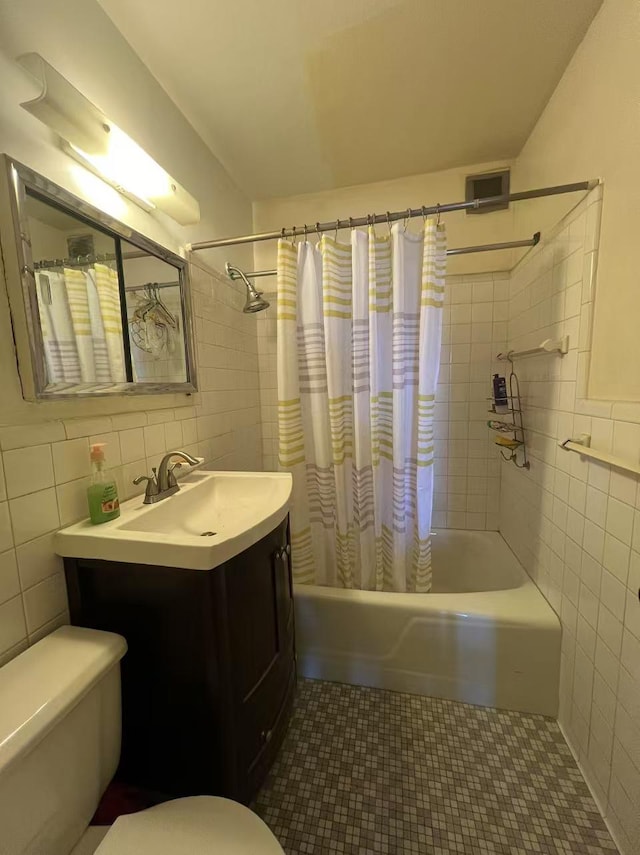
(208, 680)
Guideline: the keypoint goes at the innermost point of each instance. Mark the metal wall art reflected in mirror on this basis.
(96, 308)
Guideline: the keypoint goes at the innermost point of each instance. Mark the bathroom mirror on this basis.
(96, 308)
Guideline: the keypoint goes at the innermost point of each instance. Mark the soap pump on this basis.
(103, 491)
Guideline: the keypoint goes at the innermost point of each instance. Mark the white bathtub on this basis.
(484, 635)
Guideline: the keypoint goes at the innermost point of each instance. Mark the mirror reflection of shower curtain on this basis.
(81, 324)
(359, 335)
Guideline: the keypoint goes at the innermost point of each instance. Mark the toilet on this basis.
(60, 728)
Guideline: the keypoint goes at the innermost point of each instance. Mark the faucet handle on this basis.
(170, 476)
(152, 486)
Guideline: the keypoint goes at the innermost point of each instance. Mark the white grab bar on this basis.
(581, 446)
(549, 345)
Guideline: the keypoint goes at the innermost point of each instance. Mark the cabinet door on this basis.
(260, 616)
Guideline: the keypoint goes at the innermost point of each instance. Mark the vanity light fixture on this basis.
(104, 148)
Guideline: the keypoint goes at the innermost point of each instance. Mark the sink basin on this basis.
(215, 516)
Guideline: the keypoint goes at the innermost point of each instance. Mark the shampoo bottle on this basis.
(103, 492)
(500, 399)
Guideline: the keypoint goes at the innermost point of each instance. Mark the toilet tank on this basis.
(60, 727)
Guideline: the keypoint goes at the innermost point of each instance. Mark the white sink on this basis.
(215, 516)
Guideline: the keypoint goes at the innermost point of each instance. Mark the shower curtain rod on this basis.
(461, 250)
(84, 260)
(374, 219)
(153, 284)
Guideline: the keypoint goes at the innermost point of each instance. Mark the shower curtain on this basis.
(359, 334)
(81, 325)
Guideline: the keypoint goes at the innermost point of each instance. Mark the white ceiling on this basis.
(295, 96)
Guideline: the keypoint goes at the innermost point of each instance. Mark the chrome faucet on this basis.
(162, 483)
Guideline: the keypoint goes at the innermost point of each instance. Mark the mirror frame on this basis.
(15, 240)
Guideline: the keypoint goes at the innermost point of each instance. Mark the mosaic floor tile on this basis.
(369, 771)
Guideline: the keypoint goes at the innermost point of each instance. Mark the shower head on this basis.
(255, 301)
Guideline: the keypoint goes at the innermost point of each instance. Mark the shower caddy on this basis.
(515, 428)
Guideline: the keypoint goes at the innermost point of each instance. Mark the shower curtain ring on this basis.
(437, 213)
(351, 223)
(389, 221)
(305, 232)
(318, 230)
(335, 234)
(294, 235)
(406, 220)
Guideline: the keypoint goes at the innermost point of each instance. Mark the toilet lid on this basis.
(201, 825)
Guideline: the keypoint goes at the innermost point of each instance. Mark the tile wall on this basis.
(467, 468)
(44, 467)
(574, 524)
(467, 473)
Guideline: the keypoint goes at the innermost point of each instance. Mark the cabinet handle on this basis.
(266, 735)
(287, 549)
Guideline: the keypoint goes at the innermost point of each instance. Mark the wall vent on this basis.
(80, 245)
(484, 186)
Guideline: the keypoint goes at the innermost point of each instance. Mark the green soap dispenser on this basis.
(103, 492)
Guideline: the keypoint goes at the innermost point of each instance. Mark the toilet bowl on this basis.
(60, 728)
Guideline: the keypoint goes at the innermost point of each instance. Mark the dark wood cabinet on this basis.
(209, 677)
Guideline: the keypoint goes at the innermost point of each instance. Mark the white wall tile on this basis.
(588, 606)
(154, 440)
(612, 594)
(132, 445)
(596, 506)
(189, 431)
(593, 540)
(73, 504)
(45, 601)
(482, 292)
(173, 435)
(623, 486)
(37, 560)
(630, 656)
(28, 470)
(34, 515)
(85, 427)
(20, 436)
(616, 557)
(13, 629)
(619, 520)
(629, 693)
(71, 459)
(9, 581)
(6, 534)
(626, 441)
(610, 630)
(127, 421)
(632, 611)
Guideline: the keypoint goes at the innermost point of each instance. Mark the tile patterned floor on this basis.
(367, 771)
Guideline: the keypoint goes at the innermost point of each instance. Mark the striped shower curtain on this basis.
(81, 325)
(359, 333)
